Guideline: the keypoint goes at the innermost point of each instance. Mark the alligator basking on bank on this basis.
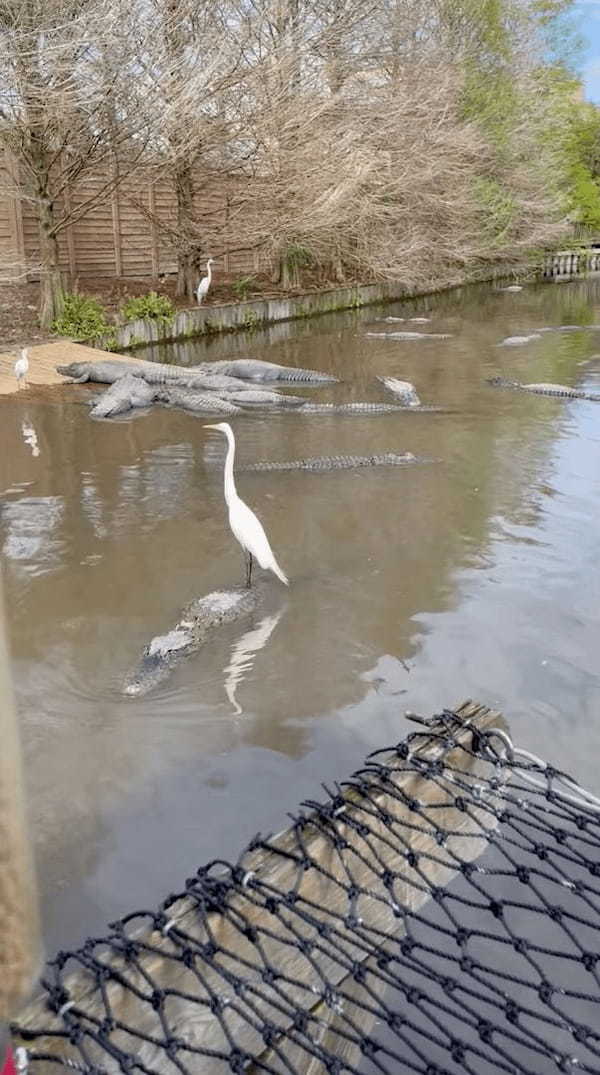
(198, 621)
(129, 392)
(561, 391)
(106, 371)
(254, 369)
(123, 394)
(338, 462)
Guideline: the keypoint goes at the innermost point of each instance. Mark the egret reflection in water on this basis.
(30, 436)
(243, 652)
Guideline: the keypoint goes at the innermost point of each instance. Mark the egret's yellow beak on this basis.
(211, 426)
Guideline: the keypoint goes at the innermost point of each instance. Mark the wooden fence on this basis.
(127, 234)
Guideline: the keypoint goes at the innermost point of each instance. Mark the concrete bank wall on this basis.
(244, 315)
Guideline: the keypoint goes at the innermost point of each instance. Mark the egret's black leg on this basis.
(248, 556)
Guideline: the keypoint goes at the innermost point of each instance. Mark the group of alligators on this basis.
(232, 388)
(225, 388)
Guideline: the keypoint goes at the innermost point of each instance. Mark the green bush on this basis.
(298, 256)
(152, 306)
(82, 318)
(242, 286)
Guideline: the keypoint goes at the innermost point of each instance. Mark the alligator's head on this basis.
(78, 370)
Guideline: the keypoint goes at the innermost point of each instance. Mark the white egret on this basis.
(205, 283)
(22, 367)
(245, 526)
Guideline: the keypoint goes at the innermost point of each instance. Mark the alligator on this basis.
(198, 620)
(253, 369)
(199, 402)
(562, 391)
(339, 462)
(410, 335)
(129, 391)
(518, 341)
(122, 395)
(107, 371)
(350, 408)
(261, 397)
(565, 328)
(402, 390)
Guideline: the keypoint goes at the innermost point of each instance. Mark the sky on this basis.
(589, 26)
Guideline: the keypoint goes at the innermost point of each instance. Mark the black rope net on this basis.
(439, 913)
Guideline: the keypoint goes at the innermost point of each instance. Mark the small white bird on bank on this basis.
(245, 526)
(204, 284)
(22, 368)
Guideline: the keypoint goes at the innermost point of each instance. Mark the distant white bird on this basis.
(245, 526)
(22, 368)
(204, 284)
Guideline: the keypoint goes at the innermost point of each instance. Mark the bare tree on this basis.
(64, 112)
(193, 70)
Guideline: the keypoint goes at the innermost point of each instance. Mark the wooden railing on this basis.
(567, 263)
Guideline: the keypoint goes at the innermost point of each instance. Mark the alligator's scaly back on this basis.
(254, 369)
(350, 408)
(339, 462)
(122, 395)
(560, 391)
(198, 402)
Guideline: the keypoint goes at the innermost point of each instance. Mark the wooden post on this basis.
(70, 237)
(321, 898)
(115, 206)
(154, 232)
(227, 257)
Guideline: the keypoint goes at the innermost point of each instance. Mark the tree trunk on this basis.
(52, 293)
(187, 270)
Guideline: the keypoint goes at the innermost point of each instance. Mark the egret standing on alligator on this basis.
(243, 522)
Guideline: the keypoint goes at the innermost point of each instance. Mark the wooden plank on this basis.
(153, 229)
(321, 899)
(115, 205)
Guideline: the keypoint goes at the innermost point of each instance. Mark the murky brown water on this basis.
(411, 589)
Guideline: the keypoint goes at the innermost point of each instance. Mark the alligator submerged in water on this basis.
(561, 391)
(338, 462)
(198, 621)
(410, 335)
(404, 391)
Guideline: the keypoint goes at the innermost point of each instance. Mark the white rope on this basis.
(576, 794)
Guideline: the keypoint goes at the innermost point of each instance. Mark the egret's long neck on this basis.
(209, 271)
(230, 490)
